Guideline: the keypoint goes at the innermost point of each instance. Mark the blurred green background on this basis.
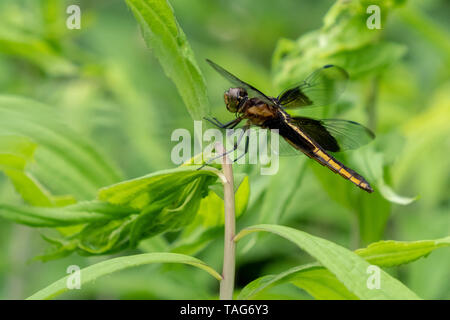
(107, 86)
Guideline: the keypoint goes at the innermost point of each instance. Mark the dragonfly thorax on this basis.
(234, 98)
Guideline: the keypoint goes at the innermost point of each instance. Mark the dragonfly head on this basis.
(234, 98)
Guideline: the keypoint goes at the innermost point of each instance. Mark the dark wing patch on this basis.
(316, 131)
(335, 134)
(322, 87)
(294, 97)
(252, 91)
(286, 141)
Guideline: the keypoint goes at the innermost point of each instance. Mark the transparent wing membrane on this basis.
(252, 91)
(335, 135)
(322, 87)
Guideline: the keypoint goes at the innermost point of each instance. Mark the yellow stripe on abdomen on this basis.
(339, 168)
(327, 160)
(324, 159)
(355, 180)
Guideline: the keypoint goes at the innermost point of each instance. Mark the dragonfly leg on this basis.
(247, 140)
(230, 124)
(217, 157)
(234, 124)
(214, 121)
(229, 133)
(244, 129)
(217, 121)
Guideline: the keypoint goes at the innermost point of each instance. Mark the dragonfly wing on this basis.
(335, 135)
(322, 87)
(252, 91)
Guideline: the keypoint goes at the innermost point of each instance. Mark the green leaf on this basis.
(348, 267)
(65, 162)
(369, 59)
(15, 152)
(31, 191)
(211, 212)
(35, 51)
(98, 270)
(160, 217)
(344, 39)
(130, 212)
(322, 284)
(393, 253)
(165, 37)
(345, 24)
(372, 163)
(317, 281)
(390, 195)
(18, 146)
(80, 213)
(104, 237)
(159, 202)
(143, 191)
(95, 238)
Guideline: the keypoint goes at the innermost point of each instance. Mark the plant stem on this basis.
(428, 28)
(371, 101)
(229, 255)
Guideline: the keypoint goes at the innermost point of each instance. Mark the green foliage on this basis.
(394, 253)
(100, 103)
(15, 152)
(35, 51)
(130, 211)
(345, 40)
(317, 281)
(208, 223)
(161, 186)
(349, 268)
(285, 184)
(80, 213)
(371, 163)
(160, 202)
(107, 267)
(322, 284)
(168, 42)
(168, 200)
(65, 162)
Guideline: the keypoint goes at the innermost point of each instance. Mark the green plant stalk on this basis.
(371, 103)
(428, 28)
(229, 250)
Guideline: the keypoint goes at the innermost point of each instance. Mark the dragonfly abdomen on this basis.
(326, 160)
(301, 141)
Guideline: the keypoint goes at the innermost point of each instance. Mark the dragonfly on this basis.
(316, 138)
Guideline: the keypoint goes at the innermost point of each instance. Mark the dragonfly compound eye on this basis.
(232, 98)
